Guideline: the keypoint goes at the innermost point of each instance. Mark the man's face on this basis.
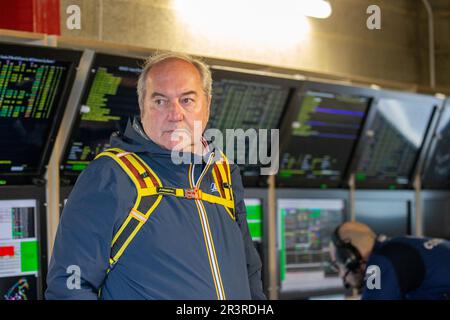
(174, 101)
(353, 279)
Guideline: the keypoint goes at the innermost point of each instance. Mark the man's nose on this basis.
(175, 111)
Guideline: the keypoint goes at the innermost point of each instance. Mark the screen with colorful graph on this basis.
(19, 251)
(304, 232)
(320, 134)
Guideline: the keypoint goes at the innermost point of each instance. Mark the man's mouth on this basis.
(181, 131)
(181, 134)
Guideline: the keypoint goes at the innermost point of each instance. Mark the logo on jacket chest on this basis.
(213, 188)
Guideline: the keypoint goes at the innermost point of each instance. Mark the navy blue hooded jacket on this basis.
(411, 268)
(168, 258)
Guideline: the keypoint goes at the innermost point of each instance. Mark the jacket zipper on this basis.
(207, 233)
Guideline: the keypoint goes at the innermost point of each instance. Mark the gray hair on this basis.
(202, 67)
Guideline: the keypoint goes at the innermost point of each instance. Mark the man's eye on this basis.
(160, 102)
(187, 100)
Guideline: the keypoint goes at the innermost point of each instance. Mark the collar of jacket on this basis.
(134, 139)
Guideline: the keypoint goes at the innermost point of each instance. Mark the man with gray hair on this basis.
(139, 226)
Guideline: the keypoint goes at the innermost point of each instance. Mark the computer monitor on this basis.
(19, 250)
(255, 220)
(393, 139)
(437, 167)
(254, 210)
(248, 102)
(108, 102)
(320, 133)
(385, 216)
(436, 218)
(34, 87)
(304, 233)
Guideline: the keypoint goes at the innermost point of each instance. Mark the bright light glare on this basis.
(262, 21)
(313, 8)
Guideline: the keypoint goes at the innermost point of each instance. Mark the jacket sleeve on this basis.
(82, 245)
(253, 260)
